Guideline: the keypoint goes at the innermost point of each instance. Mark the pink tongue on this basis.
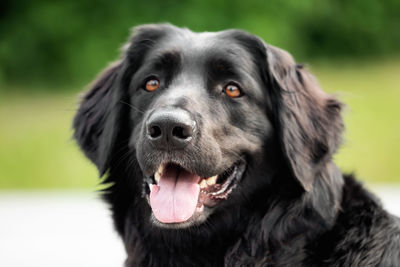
(175, 197)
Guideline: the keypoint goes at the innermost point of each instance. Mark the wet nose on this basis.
(170, 129)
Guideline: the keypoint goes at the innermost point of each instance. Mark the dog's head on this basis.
(199, 113)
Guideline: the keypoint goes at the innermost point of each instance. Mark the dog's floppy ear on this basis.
(93, 124)
(309, 120)
(97, 123)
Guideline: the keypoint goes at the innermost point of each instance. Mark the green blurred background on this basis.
(49, 51)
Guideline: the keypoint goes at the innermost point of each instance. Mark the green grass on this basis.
(372, 138)
(36, 146)
(36, 149)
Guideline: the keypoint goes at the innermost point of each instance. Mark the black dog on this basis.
(217, 149)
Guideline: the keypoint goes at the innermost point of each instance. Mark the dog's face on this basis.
(197, 117)
(198, 111)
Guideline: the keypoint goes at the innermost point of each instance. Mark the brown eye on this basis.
(232, 90)
(152, 85)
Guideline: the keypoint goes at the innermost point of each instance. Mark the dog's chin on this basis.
(198, 218)
(181, 199)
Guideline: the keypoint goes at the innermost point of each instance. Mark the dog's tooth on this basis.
(159, 172)
(157, 176)
(161, 168)
(200, 209)
(212, 180)
(203, 183)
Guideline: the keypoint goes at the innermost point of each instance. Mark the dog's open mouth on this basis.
(177, 195)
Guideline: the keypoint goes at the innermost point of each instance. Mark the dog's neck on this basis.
(285, 231)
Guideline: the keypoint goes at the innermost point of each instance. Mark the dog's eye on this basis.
(152, 84)
(232, 90)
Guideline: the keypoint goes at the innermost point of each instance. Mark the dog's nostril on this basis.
(182, 132)
(154, 131)
(170, 129)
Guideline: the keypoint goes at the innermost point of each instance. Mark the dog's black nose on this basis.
(170, 129)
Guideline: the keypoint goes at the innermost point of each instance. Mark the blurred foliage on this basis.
(67, 42)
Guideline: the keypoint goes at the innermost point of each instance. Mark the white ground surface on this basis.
(74, 229)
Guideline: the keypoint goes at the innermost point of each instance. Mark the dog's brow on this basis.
(221, 66)
(167, 59)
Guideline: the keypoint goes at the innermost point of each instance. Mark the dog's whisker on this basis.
(131, 106)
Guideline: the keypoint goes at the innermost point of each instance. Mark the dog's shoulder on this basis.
(364, 234)
(391, 255)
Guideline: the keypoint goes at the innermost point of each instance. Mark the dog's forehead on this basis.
(200, 48)
(201, 57)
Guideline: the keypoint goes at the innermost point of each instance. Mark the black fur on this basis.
(292, 207)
